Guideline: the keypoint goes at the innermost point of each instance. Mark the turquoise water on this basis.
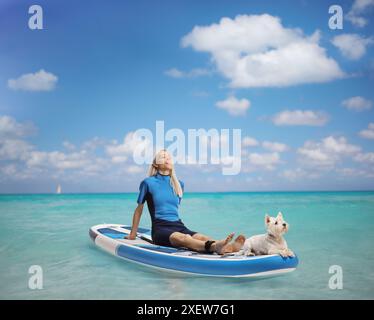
(327, 228)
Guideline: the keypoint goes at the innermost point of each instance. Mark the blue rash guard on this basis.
(163, 206)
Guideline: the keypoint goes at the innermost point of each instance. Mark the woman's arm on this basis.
(135, 222)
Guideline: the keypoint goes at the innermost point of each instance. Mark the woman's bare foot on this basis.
(234, 246)
(219, 245)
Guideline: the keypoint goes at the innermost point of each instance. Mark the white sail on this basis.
(58, 191)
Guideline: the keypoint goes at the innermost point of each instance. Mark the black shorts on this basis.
(162, 229)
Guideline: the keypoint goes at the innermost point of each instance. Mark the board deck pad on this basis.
(117, 234)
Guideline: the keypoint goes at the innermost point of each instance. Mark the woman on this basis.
(163, 193)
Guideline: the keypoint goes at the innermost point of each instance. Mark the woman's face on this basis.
(164, 161)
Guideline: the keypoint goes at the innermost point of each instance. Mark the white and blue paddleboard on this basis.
(110, 237)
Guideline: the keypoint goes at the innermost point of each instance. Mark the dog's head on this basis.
(276, 226)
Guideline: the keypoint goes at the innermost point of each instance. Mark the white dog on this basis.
(270, 243)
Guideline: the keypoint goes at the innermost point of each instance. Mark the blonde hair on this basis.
(174, 182)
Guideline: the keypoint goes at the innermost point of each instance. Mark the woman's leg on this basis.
(179, 239)
(202, 237)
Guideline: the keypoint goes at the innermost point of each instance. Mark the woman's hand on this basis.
(130, 237)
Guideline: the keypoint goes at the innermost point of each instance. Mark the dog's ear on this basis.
(267, 219)
(280, 215)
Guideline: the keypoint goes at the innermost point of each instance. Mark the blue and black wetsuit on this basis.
(163, 206)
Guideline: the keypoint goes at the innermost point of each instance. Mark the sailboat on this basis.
(58, 191)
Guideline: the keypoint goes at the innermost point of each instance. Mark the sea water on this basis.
(51, 231)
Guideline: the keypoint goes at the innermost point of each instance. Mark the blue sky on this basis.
(100, 70)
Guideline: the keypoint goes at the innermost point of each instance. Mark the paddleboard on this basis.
(110, 238)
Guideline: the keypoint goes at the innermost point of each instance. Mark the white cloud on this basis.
(38, 81)
(174, 73)
(194, 73)
(352, 46)
(69, 146)
(16, 172)
(258, 51)
(10, 128)
(315, 155)
(134, 169)
(58, 160)
(266, 161)
(298, 173)
(355, 172)
(10, 169)
(275, 146)
(32, 163)
(292, 175)
(93, 144)
(97, 165)
(347, 171)
(83, 159)
(327, 152)
(20, 160)
(234, 106)
(121, 152)
(300, 118)
(369, 132)
(359, 8)
(365, 157)
(339, 145)
(249, 142)
(14, 149)
(357, 103)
